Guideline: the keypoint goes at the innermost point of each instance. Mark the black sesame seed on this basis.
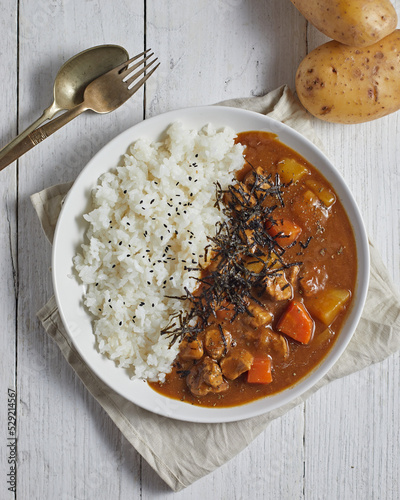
(190, 178)
(113, 266)
(120, 323)
(125, 191)
(120, 243)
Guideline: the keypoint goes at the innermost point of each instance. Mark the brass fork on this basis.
(102, 95)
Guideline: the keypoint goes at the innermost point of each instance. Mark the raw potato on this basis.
(353, 22)
(342, 84)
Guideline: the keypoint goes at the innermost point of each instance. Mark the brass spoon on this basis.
(71, 81)
(102, 95)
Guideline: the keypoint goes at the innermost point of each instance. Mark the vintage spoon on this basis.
(102, 95)
(71, 81)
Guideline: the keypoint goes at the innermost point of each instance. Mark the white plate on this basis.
(70, 233)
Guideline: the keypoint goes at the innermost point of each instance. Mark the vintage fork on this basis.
(102, 95)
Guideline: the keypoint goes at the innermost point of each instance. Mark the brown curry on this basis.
(278, 286)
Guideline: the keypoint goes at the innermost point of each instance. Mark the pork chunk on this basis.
(260, 316)
(251, 176)
(271, 340)
(278, 287)
(237, 362)
(206, 377)
(313, 280)
(191, 349)
(217, 342)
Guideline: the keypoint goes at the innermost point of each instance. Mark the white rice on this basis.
(138, 209)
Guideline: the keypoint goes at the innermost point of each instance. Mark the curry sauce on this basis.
(288, 236)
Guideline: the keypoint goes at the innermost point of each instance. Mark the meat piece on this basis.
(191, 349)
(239, 195)
(237, 362)
(272, 340)
(196, 384)
(259, 175)
(278, 288)
(260, 316)
(217, 342)
(292, 275)
(313, 280)
(206, 377)
(247, 236)
(211, 372)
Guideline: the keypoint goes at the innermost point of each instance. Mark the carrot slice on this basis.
(296, 322)
(260, 371)
(285, 232)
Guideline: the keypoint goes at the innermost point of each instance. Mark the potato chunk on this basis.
(335, 83)
(328, 304)
(291, 170)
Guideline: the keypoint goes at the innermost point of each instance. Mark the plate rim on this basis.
(226, 414)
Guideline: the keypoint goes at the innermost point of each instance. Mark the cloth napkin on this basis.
(182, 452)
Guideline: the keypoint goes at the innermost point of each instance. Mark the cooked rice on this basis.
(149, 224)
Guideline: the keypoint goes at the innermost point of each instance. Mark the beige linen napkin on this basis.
(182, 452)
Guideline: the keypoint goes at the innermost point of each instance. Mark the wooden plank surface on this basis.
(344, 442)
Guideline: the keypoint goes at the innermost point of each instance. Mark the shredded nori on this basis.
(240, 240)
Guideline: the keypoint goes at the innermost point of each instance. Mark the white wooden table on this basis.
(344, 442)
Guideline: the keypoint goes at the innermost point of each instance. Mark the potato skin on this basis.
(353, 22)
(342, 84)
